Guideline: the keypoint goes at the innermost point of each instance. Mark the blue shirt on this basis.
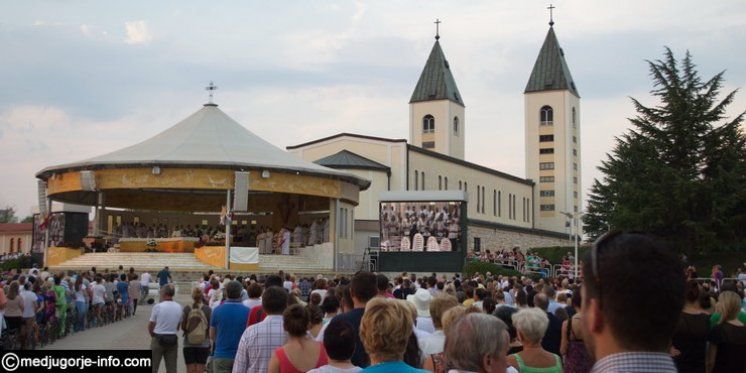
(163, 276)
(122, 289)
(229, 320)
(393, 367)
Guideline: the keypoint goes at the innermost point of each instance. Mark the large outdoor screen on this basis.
(420, 226)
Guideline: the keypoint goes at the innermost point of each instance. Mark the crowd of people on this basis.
(634, 312)
(524, 262)
(39, 307)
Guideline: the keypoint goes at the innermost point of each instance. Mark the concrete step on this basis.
(187, 262)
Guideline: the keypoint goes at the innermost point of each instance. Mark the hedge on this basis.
(17, 263)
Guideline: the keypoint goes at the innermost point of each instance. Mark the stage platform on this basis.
(188, 262)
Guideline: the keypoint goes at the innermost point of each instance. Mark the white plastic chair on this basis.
(432, 244)
(445, 245)
(419, 242)
(405, 244)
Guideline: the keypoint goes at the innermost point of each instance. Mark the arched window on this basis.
(574, 114)
(440, 182)
(19, 246)
(422, 178)
(428, 124)
(455, 125)
(12, 243)
(446, 182)
(459, 185)
(416, 179)
(546, 116)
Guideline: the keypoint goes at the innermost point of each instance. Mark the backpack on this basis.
(196, 326)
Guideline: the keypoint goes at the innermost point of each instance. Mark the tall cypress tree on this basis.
(680, 170)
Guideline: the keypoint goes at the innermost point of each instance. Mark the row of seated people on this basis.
(418, 243)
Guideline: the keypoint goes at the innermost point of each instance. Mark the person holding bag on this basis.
(196, 326)
(165, 320)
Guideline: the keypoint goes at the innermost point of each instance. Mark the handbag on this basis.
(167, 340)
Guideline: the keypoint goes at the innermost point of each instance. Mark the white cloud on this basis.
(137, 33)
(85, 29)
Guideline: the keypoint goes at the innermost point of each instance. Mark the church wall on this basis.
(367, 209)
(471, 178)
(498, 239)
(392, 154)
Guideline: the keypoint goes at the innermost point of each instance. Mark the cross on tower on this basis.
(211, 88)
(551, 15)
(437, 28)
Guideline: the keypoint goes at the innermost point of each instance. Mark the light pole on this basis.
(575, 218)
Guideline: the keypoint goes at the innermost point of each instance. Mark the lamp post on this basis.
(575, 218)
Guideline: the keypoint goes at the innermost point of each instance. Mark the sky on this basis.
(82, 78)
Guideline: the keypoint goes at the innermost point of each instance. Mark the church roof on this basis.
(550, 70)
(436, 81)
(348, 159)
(207, 138)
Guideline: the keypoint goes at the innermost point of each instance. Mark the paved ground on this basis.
(128, 334)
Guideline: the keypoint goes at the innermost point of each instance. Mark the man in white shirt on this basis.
(29, 312)
(163, 326)
(144, 286)
(98, 298)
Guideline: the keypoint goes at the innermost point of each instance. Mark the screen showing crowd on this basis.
(420, 226)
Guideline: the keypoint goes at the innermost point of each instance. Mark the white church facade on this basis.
(503, 210)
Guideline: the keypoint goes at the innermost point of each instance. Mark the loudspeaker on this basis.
(87, 181)
(241, 192)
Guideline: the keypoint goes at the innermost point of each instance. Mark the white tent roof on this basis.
(208, 137)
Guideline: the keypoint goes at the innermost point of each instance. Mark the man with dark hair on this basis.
(382, 283)
(259, 341)
(362, 289)
(553, 335)
(227, 323)
(163, 327)
(339, 343)
(257, 314)
(628, 330)
(405, 290)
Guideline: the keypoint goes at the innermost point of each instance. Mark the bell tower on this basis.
(552, 135)
(436, 109)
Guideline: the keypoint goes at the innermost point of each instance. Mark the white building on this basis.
(503, 210)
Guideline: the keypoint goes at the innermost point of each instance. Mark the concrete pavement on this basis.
(128, 334)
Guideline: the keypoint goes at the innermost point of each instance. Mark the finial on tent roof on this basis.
(211, 88)
(551, 15)
(437, 28)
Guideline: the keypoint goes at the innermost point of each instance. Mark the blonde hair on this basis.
(451, 316)
(729, 305)
(532, 323)
(439, 305)
(385, 328)
(197, 296)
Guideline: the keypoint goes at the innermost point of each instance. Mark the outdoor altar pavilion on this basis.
(192, 168)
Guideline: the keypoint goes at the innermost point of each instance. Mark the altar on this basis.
(166, 245)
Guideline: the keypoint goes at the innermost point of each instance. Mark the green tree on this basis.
(8, 215)
(679, 172)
